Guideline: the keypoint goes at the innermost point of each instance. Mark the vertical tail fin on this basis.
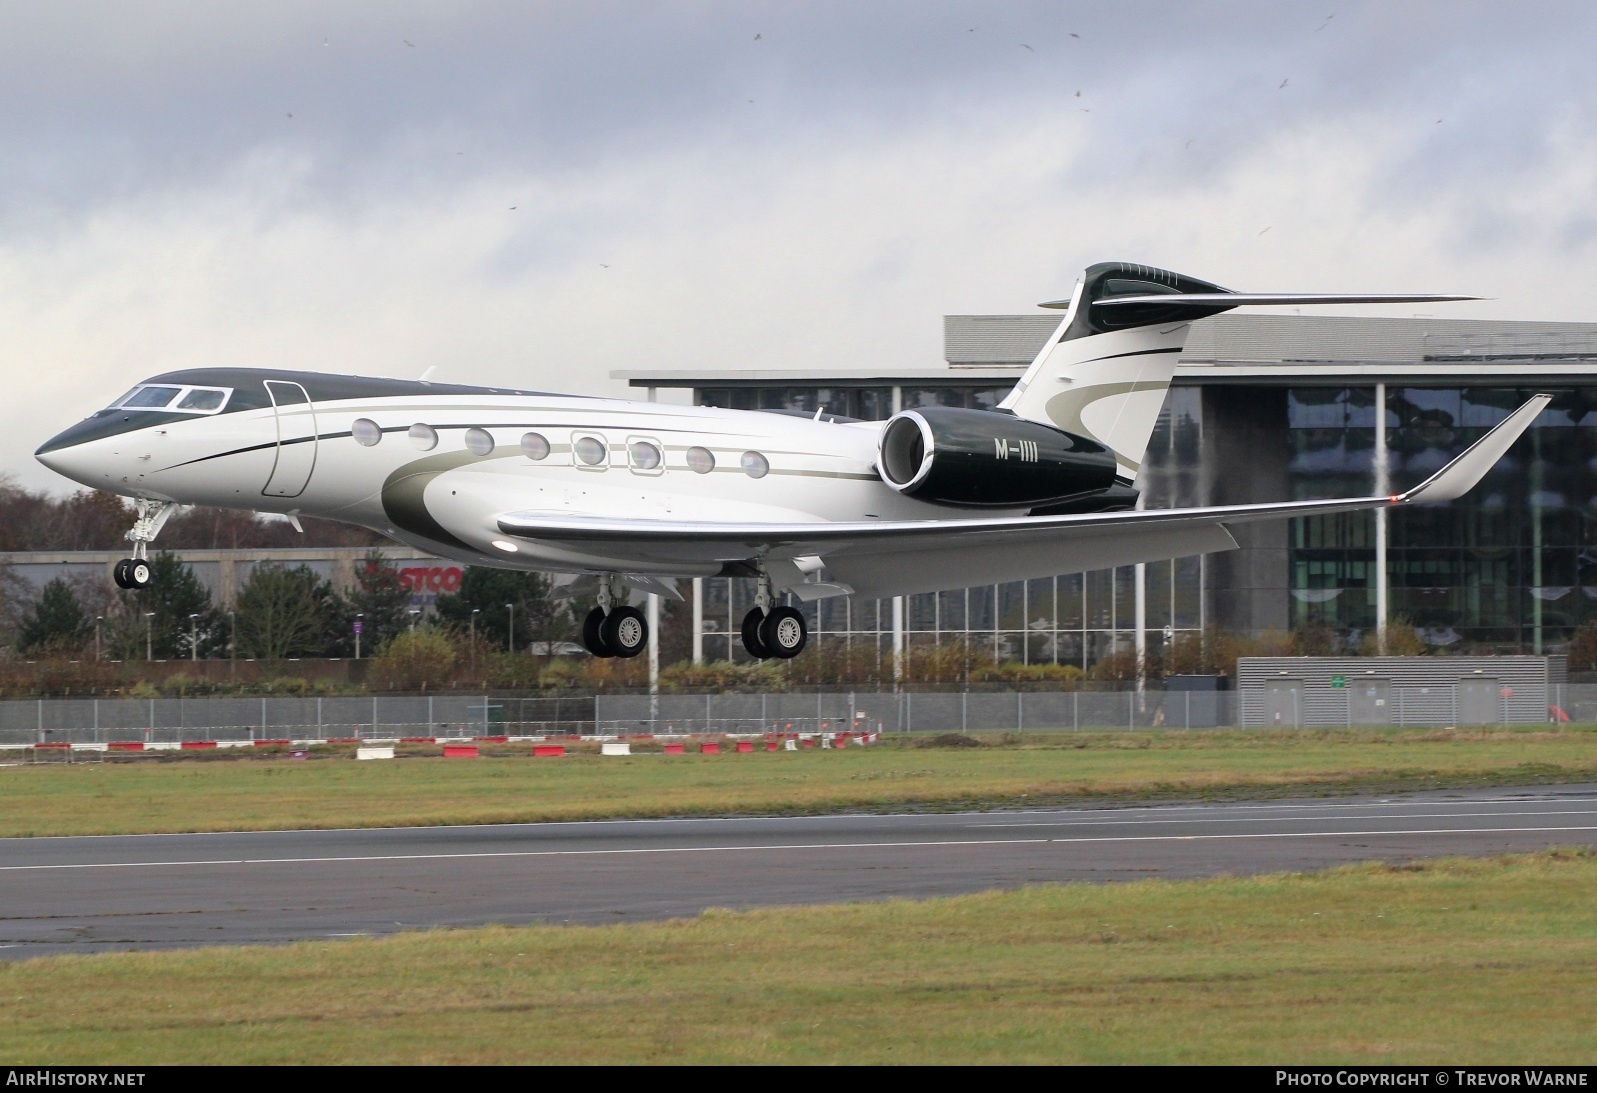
(1104, 373)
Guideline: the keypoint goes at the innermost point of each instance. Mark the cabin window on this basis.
(755, 465)
(590, 450)
(425, 437)
(479, 441)
(534, 446)
(645, 455)
(366, 432)
(701, 460)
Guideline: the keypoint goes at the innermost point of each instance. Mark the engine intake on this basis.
(979, 459)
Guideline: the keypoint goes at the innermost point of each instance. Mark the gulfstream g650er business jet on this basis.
(641, 494)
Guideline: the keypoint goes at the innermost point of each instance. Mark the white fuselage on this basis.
(446, 496)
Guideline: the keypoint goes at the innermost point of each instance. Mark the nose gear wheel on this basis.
(132, 573)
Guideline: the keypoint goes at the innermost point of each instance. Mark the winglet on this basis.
(1460, 476)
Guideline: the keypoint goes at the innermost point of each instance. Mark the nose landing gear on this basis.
(135, 572)
(772, 631)
(611, 629)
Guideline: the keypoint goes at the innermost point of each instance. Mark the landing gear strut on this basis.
(611, 629)
(770, 630)
(134, 572)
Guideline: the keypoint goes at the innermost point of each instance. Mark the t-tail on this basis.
(1104, 372)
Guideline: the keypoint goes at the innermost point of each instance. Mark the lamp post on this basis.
(510, 635)
(194, 637)
(232, 643)
(149, 641)
(472, 626)
(98, 619)
(360, 624)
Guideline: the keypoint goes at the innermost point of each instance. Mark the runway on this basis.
(99, 893)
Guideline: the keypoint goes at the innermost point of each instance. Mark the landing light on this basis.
(510, 548)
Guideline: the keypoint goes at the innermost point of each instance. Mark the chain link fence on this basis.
(164, 720)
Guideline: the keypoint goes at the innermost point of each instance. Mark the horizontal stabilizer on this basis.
(1279, 299)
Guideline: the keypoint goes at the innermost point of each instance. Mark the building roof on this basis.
(1235, 347)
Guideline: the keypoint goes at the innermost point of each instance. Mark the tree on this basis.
(538, 615)
(285, 611)
(56, 623)
(1583, 648)
(380, 597)
(174, 594)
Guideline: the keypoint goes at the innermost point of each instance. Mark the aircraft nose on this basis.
(69, 453)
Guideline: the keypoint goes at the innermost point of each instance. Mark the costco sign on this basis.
(424, 582)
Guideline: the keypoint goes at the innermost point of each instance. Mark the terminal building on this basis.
(1263, 408)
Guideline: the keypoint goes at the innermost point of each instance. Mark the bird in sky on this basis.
(757, 37)
(1325, 24)
(1267, 229)
(408, 42)
(1023, 45)
(604, 265)
(1078, 94)
(1283, 84)
(1073, 34)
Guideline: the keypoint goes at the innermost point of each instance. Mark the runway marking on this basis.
(1256, 820)
(908, 845)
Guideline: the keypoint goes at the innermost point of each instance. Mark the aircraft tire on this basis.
(625, 632)
(120, 573)
(592, 640)
(752, 641)
(138, 573)
(784, 633)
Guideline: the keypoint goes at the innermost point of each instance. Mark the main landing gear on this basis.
(770, 630)
(135, 572)
(612, 629)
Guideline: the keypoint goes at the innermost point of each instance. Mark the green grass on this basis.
(191, 794)
(1450, 962)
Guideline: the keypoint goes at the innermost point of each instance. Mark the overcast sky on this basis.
(539, 193)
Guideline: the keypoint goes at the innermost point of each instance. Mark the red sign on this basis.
(436, 578)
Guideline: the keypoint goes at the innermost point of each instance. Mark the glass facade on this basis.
(1510, 567)
(865, 403)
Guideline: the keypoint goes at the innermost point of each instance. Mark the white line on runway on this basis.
(1260, 820)
(799, 846)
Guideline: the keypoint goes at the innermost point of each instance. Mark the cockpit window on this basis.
(202, 398)
(151, 398)
(189, 400)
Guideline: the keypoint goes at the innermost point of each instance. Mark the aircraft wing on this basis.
(877, 558)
